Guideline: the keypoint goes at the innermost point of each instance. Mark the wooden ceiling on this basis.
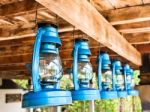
(131, 18)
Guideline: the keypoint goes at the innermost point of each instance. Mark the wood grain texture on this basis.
(128, 15)
(146, 1)
(124, 3)
(139, 38)
(138, 27)
(102, 5)
(94, 25)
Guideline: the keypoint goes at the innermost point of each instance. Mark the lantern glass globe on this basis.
(129, 79)
(133, 83)
(85, 72)
(107, 79)
(50, 68)
(119, 80)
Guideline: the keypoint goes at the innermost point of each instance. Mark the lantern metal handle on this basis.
(113, 75)
(35, 61)
(99, 72)
(75, 67)
(125, 77)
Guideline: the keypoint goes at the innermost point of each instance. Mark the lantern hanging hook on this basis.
(73, 35)
(57, 21)
(99, 46)
(36, 14)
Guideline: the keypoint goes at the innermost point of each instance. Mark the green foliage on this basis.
(107, 105)
(136, 77)
(21, 83)
(101, 105)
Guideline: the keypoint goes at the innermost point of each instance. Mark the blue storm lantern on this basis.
(119, 79)
(82, 72)
(130, 84)
(46, 71)
(105, 77)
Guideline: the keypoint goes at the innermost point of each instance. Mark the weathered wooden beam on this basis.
(128, 15)
(138, 38)
(94, 25)
(19, 59)
(102, 5)
(146, 1)
(26, 47)
(20, 7)
(145, 48)
(14, 74)
(119, 16)
(125, 3)
(138, 27)
(24, 58)
(13, 67)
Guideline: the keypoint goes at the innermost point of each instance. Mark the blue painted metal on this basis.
(128, 72)
(104, 64)
(46, 98)
(116, 70)
(46, 41)
(82, 91)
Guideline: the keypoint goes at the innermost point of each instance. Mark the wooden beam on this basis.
(20, 7)
(14, 75)
(21, 18)
(138, 38)
(124, 3)
(117, 16)
(13, 67)
(24, 58)
(10, 58)
(94, 25)
(2, 2)
(145, 48)
(102, 4)
(128, 15)
(138, 27)
(146, 1)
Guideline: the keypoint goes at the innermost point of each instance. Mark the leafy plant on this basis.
(136, 77)
(21, 83)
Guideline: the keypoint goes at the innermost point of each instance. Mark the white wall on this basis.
(10, 107)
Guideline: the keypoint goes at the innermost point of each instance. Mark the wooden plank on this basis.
(66, 55)
(128, 15)
(94, 25)
(125, 3)
(13, 67)
(25, 46)
(138, 27)
(2, 2)
(138, 38)
(101, 5)
(15, 75)
(24, 58)
(16, 8)
(146, 1)
(145, 48)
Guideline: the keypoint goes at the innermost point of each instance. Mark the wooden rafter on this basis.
(17, 8)
(94, 25)
(145, 48)
(138, 38)
(15, 75)
(128, 15)
(138, 27)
